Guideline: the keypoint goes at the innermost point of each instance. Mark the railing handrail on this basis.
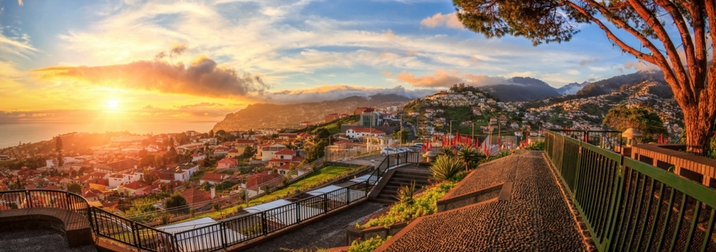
(609, 190)
(154, 239)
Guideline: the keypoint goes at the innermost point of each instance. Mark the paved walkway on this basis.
(535, 218)
(37, 240)
(325, 233)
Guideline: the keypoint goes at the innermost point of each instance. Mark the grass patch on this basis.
(319, 177)
(316, 178)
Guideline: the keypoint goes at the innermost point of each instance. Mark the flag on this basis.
(661, 137)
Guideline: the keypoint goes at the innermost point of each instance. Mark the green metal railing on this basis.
(632, 206)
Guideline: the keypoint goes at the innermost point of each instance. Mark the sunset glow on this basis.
(199, 61)
(112, 104)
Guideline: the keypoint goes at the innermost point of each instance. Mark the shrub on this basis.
(446, 167)
(538, 145)
(367, 245)
(406, 193)
(425, 203)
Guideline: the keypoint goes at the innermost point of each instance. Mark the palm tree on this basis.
(446, 167)
(468, 155)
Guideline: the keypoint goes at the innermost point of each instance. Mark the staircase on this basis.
(400, 178)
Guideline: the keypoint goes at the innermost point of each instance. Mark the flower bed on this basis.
(425, 204)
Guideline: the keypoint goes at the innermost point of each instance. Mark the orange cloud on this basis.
(447, 78)
(441, 78)
(203, 77)
(447, 20)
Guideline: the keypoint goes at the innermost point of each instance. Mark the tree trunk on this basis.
(699, 129)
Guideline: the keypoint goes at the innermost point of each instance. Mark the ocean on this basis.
(13, 134)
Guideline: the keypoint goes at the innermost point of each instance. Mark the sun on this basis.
(113, 104)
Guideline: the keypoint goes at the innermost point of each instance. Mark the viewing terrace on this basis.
(573, 196)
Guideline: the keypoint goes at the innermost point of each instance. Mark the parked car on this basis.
(402, 149)
(388, 151)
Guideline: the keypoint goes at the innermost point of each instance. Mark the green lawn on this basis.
(317, 178)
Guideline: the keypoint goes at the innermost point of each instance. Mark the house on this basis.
(287, 136)
(493, 121)
(213, 178)
(115, 180)
(285, 157)
(514, 125)
(226, 163)
(182, 172)
(118, 166)
(360, 132)
(197, 199)
(265, 152)
(136, 188)
(233, 153)
(305, 124)
(92, 194)
(261, 179)
(220, 151)
(196, 157)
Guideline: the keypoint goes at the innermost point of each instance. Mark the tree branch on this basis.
(656, 58)
(701, 53)
(693, 56)
(663, 36)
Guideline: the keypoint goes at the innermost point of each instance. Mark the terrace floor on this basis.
(325, 233)
(38, 240)
(535, 217)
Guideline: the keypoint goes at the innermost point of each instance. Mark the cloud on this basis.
(448, 78)
(640, 66)
(335, 92)
(439, 20)
(441, 78)
(484, 80)
(199, 105)
(202, 77)
(588, 61)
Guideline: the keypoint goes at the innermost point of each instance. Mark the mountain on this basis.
(265, 115)
(606, 86)
(571, 88)
(521, 89)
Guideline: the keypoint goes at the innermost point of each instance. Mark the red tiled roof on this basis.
(246, 141)
(193, 196)
(228, 160)
(214, 177)
(136, 185)
(286, 151)
(262, 178)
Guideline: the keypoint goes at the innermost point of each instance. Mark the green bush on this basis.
(425, 203)
(367, 245)
(406, 193)
(538, 145)
(446, 167)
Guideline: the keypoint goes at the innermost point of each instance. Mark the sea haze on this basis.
(12, 134)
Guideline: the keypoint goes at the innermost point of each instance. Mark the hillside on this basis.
(606, 86)
(571, 88)
(521, 89)
(264, 115)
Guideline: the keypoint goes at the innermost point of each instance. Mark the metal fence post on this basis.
(298, 212)
(348, 196)
(28, 199)
(325, 203)
(264, 225)
(223, 234)
(135, 231)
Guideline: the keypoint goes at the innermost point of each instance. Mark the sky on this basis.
(197, 61)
